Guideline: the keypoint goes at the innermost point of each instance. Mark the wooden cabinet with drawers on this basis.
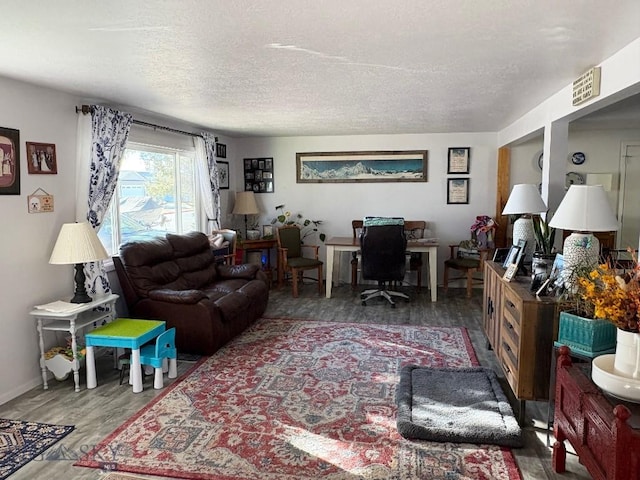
(521, 328)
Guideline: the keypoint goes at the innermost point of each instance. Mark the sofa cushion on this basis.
(177, 262)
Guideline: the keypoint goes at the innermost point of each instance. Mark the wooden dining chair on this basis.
(291, 257)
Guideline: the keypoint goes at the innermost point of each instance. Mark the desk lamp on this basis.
(584, 209)
(524, 200)
(245, 205)
(78, 244)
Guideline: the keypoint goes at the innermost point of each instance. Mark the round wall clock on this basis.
(578, 158)
(574, 178)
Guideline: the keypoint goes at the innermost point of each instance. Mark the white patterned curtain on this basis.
(208, 175)
(97, 178)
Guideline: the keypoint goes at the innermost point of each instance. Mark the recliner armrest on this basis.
(246, 271)
(177, 296)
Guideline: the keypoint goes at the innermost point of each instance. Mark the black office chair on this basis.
(383, 245)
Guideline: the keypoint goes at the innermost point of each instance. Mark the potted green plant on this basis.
(544, 253)
(307, 227)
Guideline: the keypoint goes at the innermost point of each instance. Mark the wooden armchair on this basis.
(466, 258)
(291, 258)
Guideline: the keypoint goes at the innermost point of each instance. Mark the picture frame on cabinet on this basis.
(9, 161)
(512, 256)
(510, 272)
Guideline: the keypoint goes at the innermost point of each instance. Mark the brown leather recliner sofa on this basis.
(176, 279)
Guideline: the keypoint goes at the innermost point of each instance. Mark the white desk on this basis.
(72, 322)
(350, 244)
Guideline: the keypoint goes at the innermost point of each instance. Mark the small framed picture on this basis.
(544, 288)
(522, 243)
(458, 160)
(41, 158)
(514, 251)
(267, 231)
(223, 175)
(500, 255)
(9, 161)
(221, 150)
(510, 272)
(458, 191)
(537, 279)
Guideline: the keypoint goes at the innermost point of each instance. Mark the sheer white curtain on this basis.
(208, 177)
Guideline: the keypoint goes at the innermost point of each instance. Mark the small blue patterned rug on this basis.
(21, 442)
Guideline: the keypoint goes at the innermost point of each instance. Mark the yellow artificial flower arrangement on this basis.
(609, 293)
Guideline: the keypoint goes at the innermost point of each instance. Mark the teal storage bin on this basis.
(586, 336)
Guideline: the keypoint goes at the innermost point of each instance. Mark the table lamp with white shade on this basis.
(584, 209)
(78, 244)
(524, 200)
(245, 205)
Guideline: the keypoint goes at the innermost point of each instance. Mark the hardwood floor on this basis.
(96, 413)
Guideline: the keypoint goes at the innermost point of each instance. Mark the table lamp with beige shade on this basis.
(78, 244)
(245, 205)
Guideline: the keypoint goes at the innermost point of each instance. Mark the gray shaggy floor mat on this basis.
(461, 405)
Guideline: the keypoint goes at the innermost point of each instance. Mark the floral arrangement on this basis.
(606, 293)
(307, 226)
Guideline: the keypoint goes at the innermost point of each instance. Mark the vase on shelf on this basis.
(627, 358)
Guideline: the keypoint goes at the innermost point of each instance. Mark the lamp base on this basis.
(523, 230)
(81, 295)
(580, 250)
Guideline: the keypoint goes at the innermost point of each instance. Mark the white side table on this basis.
(73, 322)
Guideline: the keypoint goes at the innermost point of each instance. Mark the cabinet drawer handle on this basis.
(511, 304)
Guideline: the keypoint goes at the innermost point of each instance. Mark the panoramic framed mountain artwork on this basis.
(361, 167)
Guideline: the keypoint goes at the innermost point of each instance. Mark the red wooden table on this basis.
(604, 431)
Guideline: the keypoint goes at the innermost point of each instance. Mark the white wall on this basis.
(336, 204)
(26, 240)
(602, 149)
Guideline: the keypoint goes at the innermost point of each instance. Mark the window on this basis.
(156, 194)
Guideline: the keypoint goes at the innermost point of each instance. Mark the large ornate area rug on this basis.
(298, 399)
(21, 442)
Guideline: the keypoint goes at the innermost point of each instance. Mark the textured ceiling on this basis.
(331, 67)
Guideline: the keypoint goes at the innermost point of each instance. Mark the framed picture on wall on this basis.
(457, 190)
(258, 175)
(221, 150)
(223, 175)
(9, 161)
(41, 158)
(458, 161)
